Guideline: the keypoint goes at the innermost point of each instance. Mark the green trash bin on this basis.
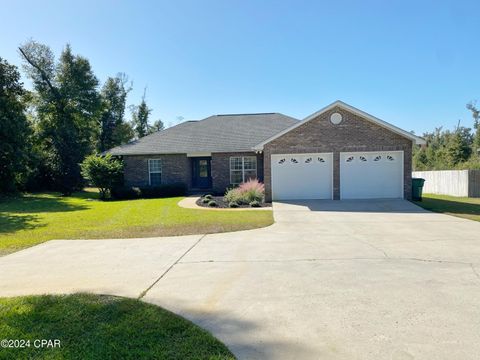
(417, 188)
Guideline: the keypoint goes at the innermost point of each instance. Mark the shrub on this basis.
(233, 195)
(128, 193)
(125, 193)
(169, 190)
(206, 201)
(212, 203)
(233, 204)
(245, 193)
(104, 172)
(208, 196)
(255, 203)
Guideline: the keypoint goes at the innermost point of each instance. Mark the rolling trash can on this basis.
(417, 188)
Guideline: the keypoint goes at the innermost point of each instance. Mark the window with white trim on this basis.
(155, 172)
(242, 168)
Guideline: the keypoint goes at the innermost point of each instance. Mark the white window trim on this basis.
(150, 172)
(243, 167)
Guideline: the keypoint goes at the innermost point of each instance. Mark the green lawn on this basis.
(102, 327)
(468, 208)
(34, 218)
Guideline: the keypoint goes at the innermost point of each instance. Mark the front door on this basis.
(201, 173)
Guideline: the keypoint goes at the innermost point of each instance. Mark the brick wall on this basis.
(221, 169)
(176, 168)
(353, 134)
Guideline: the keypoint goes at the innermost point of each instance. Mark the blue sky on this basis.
(411, 63)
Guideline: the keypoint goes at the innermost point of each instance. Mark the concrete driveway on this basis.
(330, 280)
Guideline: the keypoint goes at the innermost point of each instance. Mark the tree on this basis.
(420, 158)
(113, 128)
(140, 116)
(458, 146)
(445, 150)
(14, 127)
(104, 172)
(472, 106)
(157, 126)
(67, 108)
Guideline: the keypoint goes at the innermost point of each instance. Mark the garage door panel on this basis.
(301, 176)
(371, 175)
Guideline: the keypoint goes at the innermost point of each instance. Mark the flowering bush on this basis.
(247, 192)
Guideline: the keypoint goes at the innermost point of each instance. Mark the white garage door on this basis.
(302, 176)
(371, 175)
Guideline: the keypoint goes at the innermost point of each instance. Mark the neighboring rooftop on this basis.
(217, 133)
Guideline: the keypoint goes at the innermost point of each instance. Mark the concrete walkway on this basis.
(329, 280)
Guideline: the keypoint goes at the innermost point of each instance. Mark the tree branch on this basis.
(42, 74)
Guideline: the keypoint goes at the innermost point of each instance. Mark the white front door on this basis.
(370, 175)
(302, 176)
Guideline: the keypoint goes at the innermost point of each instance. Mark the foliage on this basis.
(208, 196)
(102, 327)
(46, 133)
(149, 192)
(157, 126)
(15, 129)
(245, 193)
(125, 192)
(140, 116)
(445, 150)
(167, 190)
(472, 106)
(212, 203)
(67, 106)
(35, 218)
(104, 172)
(255, 203)
(205, 200)
(457, 149)
(233, 204)
(114, 130)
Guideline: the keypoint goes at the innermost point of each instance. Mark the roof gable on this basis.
(341, 104)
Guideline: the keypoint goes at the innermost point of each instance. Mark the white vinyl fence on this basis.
(451, 182)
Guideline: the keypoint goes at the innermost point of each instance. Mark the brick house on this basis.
(339, 152)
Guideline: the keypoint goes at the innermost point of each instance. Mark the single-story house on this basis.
(338, 152)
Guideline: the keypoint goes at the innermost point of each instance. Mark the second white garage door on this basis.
(302, 176)
(369, 175)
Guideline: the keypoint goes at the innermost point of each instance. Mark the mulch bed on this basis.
(224, 205)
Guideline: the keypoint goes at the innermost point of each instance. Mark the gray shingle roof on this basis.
(218, 133)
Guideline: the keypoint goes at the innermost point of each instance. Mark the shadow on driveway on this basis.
(368, 206)
(237, 333)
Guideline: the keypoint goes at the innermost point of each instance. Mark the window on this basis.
(155, 172)
(242, 168)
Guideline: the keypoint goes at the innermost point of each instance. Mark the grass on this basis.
(468, 208)
(102, 327)
(35, 218)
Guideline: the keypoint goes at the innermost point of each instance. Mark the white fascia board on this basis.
(418, 140)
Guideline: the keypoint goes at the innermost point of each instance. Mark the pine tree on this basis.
(113, 128)
(140, 116)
